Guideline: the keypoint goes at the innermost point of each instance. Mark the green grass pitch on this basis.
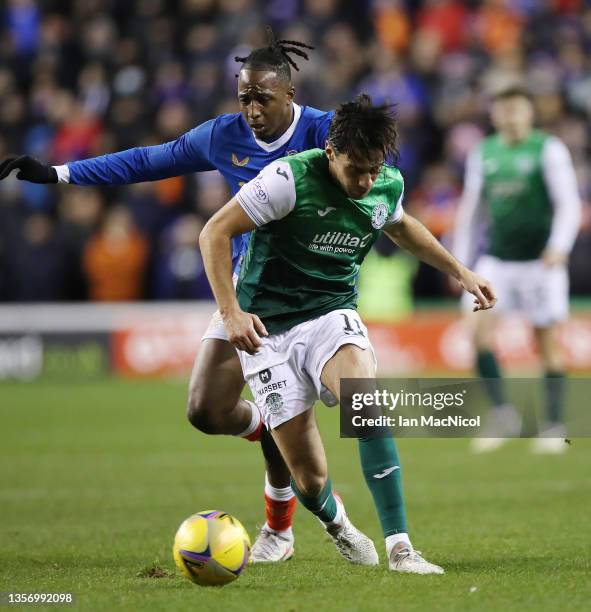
(96, 477)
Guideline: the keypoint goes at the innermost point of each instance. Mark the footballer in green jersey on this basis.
(292, 317)
(521, 189)
(305, 263)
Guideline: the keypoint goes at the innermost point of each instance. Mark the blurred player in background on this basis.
(521, 189)
(293, 315)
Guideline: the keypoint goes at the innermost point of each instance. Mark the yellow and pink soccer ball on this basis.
(211, 548)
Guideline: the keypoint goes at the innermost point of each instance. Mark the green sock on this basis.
(487, 367)
(555, 383)
(324, 506)
(378, 457)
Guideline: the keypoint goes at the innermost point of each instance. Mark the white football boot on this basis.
(551, 440)
(270, 547)
(502, 424)
(403, 558)
(355, 546)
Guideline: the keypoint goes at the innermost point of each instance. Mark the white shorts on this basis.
(284, 376)
(539, 292)
(215, 330)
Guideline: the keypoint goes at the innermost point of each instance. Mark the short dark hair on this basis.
(359, 127)
(514, 91)
(275, 56)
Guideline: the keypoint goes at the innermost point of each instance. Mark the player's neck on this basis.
(513, 140)
(283, 128)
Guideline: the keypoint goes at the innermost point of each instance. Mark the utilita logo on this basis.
(338, 242)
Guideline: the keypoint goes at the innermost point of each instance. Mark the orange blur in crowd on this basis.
(115, 259)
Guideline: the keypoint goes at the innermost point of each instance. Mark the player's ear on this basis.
(291, 93)
(329, 151)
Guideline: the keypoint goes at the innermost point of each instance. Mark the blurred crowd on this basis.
(79, 78)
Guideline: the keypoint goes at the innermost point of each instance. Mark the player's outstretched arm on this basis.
(188, 153)
(411, 235)
(243, 329)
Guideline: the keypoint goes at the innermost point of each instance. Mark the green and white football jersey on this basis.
(311, 238)
(525, 194)
(516, 197)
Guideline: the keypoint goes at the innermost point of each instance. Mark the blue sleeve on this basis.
(188, 153)
(322, 129)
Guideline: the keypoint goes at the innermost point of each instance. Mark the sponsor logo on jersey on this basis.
(511, 188)
(239, 162)
(322, 212)
(292, 152)
(379, 214)
(265, 376)
(341, 238)
(274, 403)
(338, 242)
(259, 190)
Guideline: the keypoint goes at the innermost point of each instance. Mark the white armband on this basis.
(270, 196)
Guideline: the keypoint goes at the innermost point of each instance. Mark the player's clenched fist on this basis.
(480, 288)
(244, 330)
(29, 169)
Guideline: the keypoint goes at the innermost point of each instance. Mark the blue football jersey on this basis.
(225, 143)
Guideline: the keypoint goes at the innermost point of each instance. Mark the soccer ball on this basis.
(211, 548)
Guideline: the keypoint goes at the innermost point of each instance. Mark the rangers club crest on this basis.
(379, 214)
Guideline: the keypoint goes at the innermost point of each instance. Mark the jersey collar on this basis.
(269, 147)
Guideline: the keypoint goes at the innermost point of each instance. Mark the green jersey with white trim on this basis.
(516, 197)
(311, 239)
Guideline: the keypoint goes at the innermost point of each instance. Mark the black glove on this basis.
(29, 170)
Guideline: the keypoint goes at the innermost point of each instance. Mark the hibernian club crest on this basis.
(379, 214)
(274, 402)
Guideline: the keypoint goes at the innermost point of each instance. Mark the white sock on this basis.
(340, 516)
(283, 494)
(286, 533)
(255, 420)
(394, 539)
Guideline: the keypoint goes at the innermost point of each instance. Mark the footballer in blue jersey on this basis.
(227, 143)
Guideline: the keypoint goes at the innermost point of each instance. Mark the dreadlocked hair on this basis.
(275, 56)
(358, 128)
